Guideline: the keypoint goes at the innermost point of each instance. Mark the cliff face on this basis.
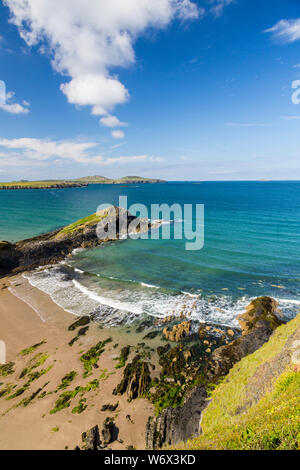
(257, 406)
(61, 185)
(179, 424)
(55, 246)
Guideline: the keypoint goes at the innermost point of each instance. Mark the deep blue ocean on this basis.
(251, 248)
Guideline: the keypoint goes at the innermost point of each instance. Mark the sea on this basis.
(251, 248)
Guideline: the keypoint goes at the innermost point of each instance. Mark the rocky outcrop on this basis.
(108, 431)
(136, 379)
(107, 225)
(178, 332)
(91, 439)
(94, 440)
(257, 324)
(178, 424)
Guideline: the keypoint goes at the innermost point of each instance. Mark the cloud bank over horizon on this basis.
(26, 152)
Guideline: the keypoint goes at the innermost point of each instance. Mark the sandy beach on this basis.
(38, 319)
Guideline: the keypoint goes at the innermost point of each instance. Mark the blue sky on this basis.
(177, 89)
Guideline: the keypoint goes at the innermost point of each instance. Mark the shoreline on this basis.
(20, 328)
(150, 383)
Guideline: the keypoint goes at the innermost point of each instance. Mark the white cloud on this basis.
(290, 118)
(42, 149)
(219, 5)
(112, 121)
(87, 39)
(14, 108)
(36, 152)
(246, 124)
(286, 30)
(118, 134)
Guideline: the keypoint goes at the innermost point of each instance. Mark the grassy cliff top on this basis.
(85, 180)
(81, 224)
(36, 184)
(124, 180)
(257, 406)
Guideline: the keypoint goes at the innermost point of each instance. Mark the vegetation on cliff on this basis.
(257, 405)
(81, 224)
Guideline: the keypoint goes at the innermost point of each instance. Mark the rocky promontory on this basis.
(54, 246)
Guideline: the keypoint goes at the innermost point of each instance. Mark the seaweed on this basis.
(123, 357)
(7, 369)
(26, 352)
(91, 357)
(67, 379)
(80, 407)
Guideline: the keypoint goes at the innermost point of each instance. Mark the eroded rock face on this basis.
(257, 324)
(136, 379)
(178, 332)
(108, 431)
(91, 439)
(175, 425)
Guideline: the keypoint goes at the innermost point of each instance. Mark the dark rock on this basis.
(110, 407)
(163, 349)
(177, 424)
(83, 321)
(151, 334)
(91, 439)
(136, 379)
(128, 417)
(109, 431)
(145, 324)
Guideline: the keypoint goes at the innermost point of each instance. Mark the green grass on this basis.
(37, 184)
(272, 424)
(85, 180)
(81, 224)
(232, 422)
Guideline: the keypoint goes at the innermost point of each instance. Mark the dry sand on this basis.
(23, 324)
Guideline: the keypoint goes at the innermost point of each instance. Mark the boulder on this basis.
(108, 431)
(91, 439)
(178, 332)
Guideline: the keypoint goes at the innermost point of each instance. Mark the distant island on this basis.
(75, 183)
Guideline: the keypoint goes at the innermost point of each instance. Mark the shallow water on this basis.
(252, 248)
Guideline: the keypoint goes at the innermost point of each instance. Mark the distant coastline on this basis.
(76, 183)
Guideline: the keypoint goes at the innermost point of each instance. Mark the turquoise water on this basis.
(252, 248)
